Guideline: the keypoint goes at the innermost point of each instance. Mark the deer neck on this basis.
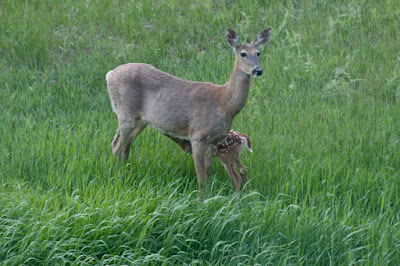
(237, 91)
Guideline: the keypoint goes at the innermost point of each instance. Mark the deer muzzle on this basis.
(257, 71)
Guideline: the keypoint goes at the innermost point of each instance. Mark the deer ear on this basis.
(233, 38)
(262, 37)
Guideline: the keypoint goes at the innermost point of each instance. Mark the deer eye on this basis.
(243, 54)
(258, 53)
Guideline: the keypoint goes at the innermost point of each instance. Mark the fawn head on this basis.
(246, 142)
(248, 54)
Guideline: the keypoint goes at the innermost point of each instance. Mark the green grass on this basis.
(324, 119)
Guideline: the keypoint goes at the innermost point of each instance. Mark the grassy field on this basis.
(324, 178)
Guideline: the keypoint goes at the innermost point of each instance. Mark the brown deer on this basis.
(201, 112)
(228, 151)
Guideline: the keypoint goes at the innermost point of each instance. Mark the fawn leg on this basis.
(242, 168)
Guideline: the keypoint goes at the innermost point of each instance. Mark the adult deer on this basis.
(201, 112)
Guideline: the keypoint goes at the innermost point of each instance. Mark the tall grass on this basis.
(324, 175)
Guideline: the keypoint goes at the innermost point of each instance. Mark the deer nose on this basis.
(257, 71)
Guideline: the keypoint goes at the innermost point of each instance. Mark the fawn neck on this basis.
(237, 91)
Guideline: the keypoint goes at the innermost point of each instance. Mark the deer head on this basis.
(247, 54)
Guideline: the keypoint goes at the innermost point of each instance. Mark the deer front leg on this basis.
(201, 152)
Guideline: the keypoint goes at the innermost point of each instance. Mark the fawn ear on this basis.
(262, 37)
(233, 38)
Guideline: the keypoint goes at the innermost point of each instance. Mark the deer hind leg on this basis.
(115, 143)
(140, 125)
(242, 169)
(125, 128)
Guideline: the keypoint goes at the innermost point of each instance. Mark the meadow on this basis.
(324, 118)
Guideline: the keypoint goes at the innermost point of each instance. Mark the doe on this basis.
(201, 112)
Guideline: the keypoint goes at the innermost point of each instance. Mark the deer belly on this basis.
(169, 126)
